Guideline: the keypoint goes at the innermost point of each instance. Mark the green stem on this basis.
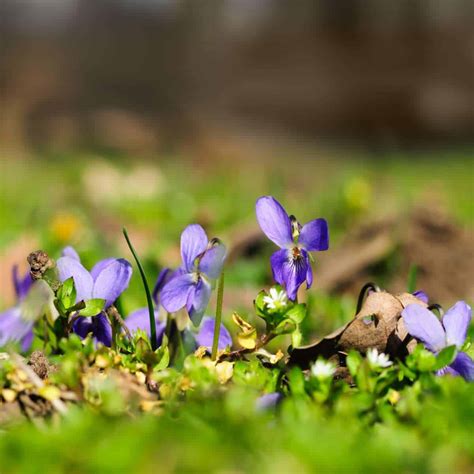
(217, 325)
(151, 310)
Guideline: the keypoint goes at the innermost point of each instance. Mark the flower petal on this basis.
(13, 328)
(99, 326)
(112, 281)
(102, 330)
(464, 366)
(421, 295)
(22, 284)
(140, 319)
(198, 301)
(193, 243)
(274, 221)
(205, 336)
(456, 322)
(163, 277)
(27, 340)
(424, 326)
(82, 326)
(315, 235)
(309, 273)
(294, 273)
(100, 265)
(70, 252)
(212, 261)
(277, 262)
(174, 295)
(69, 267)
(267, 401)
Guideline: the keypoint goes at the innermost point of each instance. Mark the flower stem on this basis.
(151, 309)
(217, 324)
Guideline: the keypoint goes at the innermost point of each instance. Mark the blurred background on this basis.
(157, 113)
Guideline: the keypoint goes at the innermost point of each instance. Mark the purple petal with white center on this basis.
(267, 401)
(70, 252)
(315, 235)
(277, 262)
(200, 300)
(174, 295)
(193, 243)
(140, 319)
(205, 337)
(100, 265)
(69, 267)
(22, 284)
(212, 261)
(294, 273)
(464, 366)
(112, 281)
(13, 328)
(456, 322)
(423, 325)
(99, 326)
(421, 295)
(274, 221)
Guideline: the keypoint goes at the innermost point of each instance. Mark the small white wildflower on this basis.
(323, 369)
(377, 360)
(276, 299)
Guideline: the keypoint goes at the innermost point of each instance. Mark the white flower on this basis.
(323, 369)
(276, 299)
(377, 360)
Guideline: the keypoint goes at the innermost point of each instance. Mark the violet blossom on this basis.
(205, 336)
(190, 287)
(107, 280)
(140, 318)
(291, 265)
(13, 326)
(423, 325)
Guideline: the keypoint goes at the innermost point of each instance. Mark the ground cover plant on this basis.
(125, 364)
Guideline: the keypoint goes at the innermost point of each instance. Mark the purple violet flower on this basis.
(190, 287)
(423, 325)
(107, 280)
(291, 265)
(140, 318)
(205, 335)
(13, 327)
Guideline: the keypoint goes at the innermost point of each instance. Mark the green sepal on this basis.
(92, 307)
(445, 357)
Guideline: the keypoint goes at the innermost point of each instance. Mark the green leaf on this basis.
(163, 354)
(285, 327)
(353, 361)
(296, 381)
(67, 293)
(259, 303)
(426, 361)
(297, 313)
(93, 307)
(445, 357)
